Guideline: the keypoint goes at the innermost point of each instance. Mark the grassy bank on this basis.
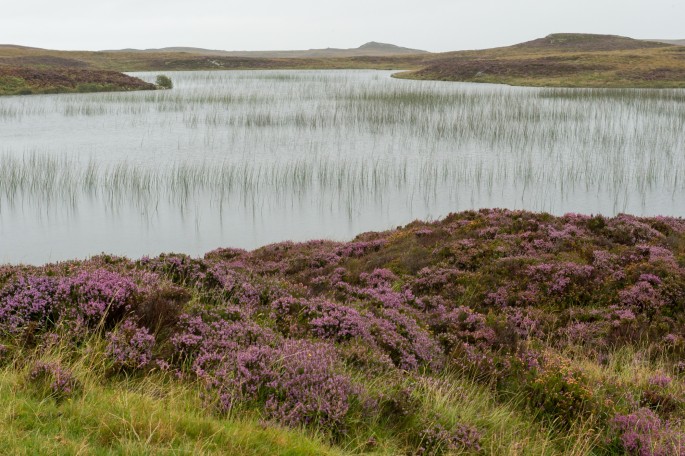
(490, 332)
(131, 416)
(16, 80)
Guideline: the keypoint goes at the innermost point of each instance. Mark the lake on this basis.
(248, 158)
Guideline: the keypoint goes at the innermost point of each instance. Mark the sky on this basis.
(433, 25)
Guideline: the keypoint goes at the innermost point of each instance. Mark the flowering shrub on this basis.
(97, 295)
(643, 433)
(643, 297)
(201, 343)
(660, 380)
(405, 342)
(130, 346)
(368, 359)
(27, 299)
(53, 379)
(560, 391)
(4, 354)
(462, 325)
(180, 268)
(296, 383)
(336, 322)
(326, 333)
(444, 281)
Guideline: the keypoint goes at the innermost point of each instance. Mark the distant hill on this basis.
(675, 42)
(15, 46)
(557, 60)
(564, 60)
(371, 49)
(576, 42)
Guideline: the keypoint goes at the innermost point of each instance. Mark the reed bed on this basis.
(44, 179)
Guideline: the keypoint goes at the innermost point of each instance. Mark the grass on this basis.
(159, 414)
(133, 416)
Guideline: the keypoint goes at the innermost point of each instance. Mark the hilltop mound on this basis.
(16, 46)
(674, 42)
(564, 60)
(386, 48)
(587, 42)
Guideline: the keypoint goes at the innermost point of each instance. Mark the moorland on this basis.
(558, 60)
(490, 331)
(487, 332)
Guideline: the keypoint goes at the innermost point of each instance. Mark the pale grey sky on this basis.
(435, 25)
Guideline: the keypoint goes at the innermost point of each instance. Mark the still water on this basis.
(246, 158)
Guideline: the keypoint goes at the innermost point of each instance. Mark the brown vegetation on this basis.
(25, 80)
(577, 42)
(558, 60)
(565, 60)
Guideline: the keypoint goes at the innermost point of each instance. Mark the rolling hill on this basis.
(564, 60)
(371, 49)
(674, 42)
(557, 60)
(582, 42)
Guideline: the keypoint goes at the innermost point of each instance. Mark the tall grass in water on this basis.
(44, 179)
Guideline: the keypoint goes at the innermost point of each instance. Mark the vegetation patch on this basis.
(564, 60)
(557, 60)
(15, 80)
(489, 332)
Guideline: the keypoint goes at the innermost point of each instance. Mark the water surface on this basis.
(248, 158)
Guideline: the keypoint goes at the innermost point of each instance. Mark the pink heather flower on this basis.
(60, 381)
(651, 278)
(661, 380)
(643, 433)
(672, 339)
(130, 346)
(641, 296)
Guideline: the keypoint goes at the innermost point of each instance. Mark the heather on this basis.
(486, 332)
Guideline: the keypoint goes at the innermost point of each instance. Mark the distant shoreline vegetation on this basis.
(164, 82)
(558, 60)
(28, 81)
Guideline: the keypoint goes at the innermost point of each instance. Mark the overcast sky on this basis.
(434, 25)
